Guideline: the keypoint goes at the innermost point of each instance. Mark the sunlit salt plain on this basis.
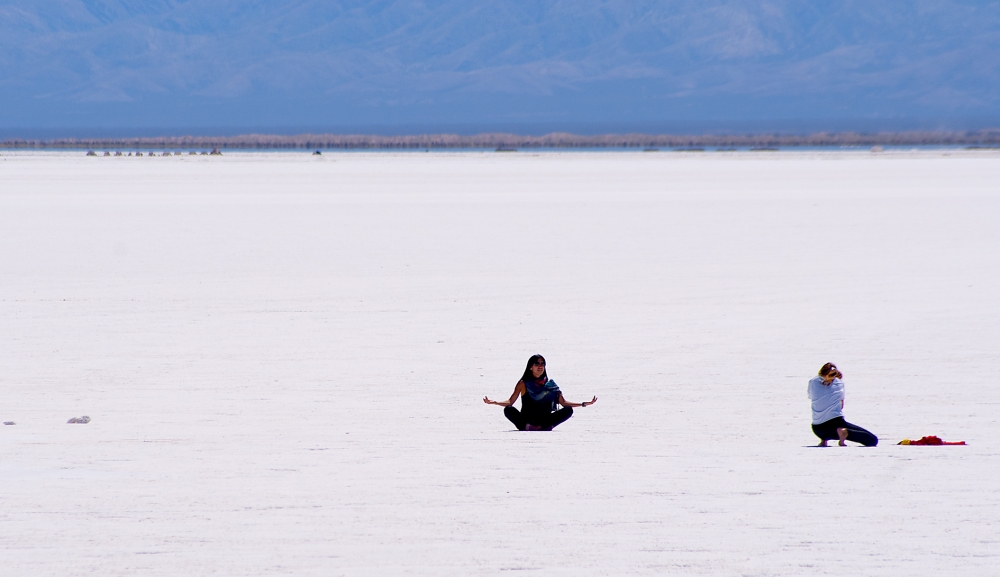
(284, 357)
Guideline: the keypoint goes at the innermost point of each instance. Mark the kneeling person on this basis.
(826, 391)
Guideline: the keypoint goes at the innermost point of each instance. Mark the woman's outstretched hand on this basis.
(497, 403)
(591, 401)
(518, 390)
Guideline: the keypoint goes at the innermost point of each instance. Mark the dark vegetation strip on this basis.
(983, 138)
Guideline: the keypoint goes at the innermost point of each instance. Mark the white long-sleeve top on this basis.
(827, 400)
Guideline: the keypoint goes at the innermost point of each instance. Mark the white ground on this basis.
(284, 358)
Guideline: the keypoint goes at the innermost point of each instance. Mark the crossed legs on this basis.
(548, 422)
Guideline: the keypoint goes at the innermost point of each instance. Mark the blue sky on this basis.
(221, 66)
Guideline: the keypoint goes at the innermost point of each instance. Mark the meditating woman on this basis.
(539, 397)
(827, 394)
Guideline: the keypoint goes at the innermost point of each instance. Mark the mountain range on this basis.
(553, 64)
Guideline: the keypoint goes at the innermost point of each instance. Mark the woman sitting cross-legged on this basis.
(539, 397)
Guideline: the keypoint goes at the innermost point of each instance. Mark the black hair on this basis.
(527, 376)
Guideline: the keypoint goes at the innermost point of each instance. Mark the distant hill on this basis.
(257, 63)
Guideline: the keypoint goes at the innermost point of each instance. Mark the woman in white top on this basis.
(826, 391)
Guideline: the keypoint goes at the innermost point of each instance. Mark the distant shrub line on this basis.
(983, 138)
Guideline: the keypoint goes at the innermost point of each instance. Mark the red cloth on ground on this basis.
(930, 440)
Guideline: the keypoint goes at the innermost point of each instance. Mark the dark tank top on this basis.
(532, 409)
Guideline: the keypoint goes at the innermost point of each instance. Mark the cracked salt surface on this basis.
(285, 357)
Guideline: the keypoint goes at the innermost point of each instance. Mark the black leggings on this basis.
(548, 422)
(828, 431)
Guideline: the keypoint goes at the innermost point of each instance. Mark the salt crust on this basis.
(284, 358)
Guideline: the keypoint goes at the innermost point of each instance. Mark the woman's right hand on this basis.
(488, 401)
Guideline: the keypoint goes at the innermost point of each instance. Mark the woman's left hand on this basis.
(590, 402)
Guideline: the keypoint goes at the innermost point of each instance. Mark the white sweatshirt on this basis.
(827, 400)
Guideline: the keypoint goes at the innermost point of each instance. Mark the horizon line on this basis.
(510, 140)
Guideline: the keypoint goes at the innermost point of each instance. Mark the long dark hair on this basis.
(527, 376)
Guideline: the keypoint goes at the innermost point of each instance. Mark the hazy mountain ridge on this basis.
(942, 56)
